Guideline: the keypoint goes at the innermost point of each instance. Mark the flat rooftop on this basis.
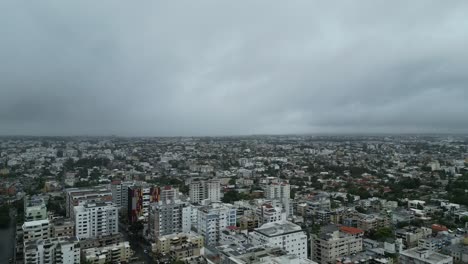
(278, 228)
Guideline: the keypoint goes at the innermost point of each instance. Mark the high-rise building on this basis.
(62, 250)
(119, 191)
(280, 191)
(169, 217)
(96, 219)
(203, 190)
(213, 219)
(139, 199)
(77, 196)
(285, 235)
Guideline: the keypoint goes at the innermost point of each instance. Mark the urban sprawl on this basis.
(236, 200)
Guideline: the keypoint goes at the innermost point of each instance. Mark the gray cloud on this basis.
(230, 67)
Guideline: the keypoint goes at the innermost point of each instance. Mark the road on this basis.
(138, 246)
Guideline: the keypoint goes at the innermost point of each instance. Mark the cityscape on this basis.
(254, 199)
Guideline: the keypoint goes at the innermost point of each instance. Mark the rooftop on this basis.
(278, 228)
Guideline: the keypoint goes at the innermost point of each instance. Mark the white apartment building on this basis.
(96, 219)
(34, 230)
(277, 191)
(169, 217)
(115, 253)
(333, 243)
(423, 256)
(213, 219)
(62, 250)
(285, 235)
(268, 214)
(282, 192)
(202, 190)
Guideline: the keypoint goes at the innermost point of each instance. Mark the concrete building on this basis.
(203, 190)
(281, 192)
(266, 213)
(260, 255)
(34, 209)
(459, 252)
(169, 217)
(101, 241)
(410, 236)
(423, 256)
(62, 228)
(285, 235)
(139, 199)
(96, 219)
(62, 250)
(119, 191)
(77, 196)
(334, 242)
(213, 219)
(179, 245)
(115, 253)
(35, 230)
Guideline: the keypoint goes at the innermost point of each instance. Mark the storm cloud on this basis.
(159, 68)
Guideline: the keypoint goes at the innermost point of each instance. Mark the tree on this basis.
(232, 196)
(232, 181)
(381, 234)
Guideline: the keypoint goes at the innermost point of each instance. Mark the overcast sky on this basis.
(162, 68)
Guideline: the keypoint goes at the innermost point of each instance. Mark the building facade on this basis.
(285, 235)
(96, 219)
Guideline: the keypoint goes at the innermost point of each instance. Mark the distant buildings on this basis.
(202, 190)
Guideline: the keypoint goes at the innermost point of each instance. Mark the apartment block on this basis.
(205, 190)
(169, 217)
(285, 235)
(179, 245)
(77, 196)
(334, 242)
(139, 199)
(119, 191)
(62, 250)
(213, 219)
(96, 219)
(115, 253)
